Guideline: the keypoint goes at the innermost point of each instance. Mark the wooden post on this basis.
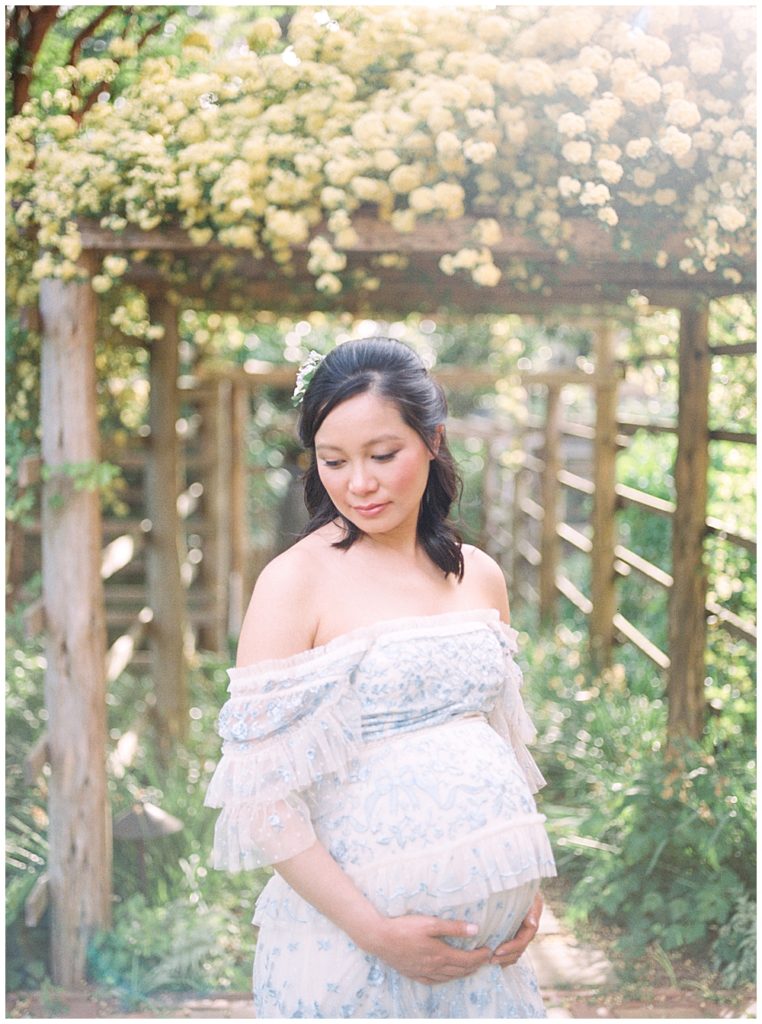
(79, 864)
(217, 458)
(603, 591)
(239, 534)
(687, 621)
(549, 542)
(166, 594)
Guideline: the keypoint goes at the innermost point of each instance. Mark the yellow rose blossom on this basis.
(652, 51)
(571, 124)
(594, 195)
(303, 126)
(730, 217)
(385, 160)
(479, 152)
(535, 78)
(674, 142)
(682, 113)
(582, 82)
(487, 231)
(643, 178)
(328, 283)
(603, 113)
(642, 91)
(486, 274)
(638, 148)
(404, 221)
(115, 266)
(569, 186)
(346, 238)
(405, 178)
(577, 152)
(101, 283)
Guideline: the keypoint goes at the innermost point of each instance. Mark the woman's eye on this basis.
(333, 463)
(385, 458)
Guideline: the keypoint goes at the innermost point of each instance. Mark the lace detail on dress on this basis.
(281, 736)
(293, 728)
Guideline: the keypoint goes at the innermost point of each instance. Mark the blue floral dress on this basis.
(402, 748)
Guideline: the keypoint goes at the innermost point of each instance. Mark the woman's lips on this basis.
(370, 510)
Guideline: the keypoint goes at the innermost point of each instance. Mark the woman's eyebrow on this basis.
(368, 444)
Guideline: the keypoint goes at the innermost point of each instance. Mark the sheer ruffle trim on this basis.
(509, 717)
(257, 783)
(434, 880)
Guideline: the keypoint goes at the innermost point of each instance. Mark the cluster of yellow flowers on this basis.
(530, 115)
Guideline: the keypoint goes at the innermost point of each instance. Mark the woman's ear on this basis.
(436, 440)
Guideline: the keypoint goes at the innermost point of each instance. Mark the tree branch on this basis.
(40, 22)
(86, 33)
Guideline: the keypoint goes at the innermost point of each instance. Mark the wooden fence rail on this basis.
(539, 527)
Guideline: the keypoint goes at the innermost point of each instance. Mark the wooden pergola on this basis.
(597, 280)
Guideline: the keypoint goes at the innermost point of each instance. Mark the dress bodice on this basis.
(291, 724)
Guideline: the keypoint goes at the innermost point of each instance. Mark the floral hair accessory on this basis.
(305, 374)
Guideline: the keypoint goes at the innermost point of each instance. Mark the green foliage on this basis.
(191, 926)
(660, 844)
(26, 815)
(169, 947)
(734, 953)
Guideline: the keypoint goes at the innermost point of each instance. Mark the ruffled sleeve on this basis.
(287, 725)
(509, 717)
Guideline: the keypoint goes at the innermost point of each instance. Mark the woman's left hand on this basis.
(509, 952)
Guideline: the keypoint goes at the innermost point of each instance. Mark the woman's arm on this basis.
(412, 944)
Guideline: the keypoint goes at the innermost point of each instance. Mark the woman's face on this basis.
(373, 465)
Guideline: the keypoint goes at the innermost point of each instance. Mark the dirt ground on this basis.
(662, 1003)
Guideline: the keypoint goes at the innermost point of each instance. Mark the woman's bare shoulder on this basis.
(486, 579)
(282, 616)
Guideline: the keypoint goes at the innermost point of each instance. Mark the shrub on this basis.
(662, 846)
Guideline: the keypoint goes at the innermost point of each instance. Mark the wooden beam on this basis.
(603, 579)
(549, 546)
(687, 618)
(239, 532)
(120, 653)
(79, 861)
(166, 594)
(216, 564)
(627, 495)
(626, 629)
(572, 593)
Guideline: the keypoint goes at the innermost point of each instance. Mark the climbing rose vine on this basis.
(641, 119)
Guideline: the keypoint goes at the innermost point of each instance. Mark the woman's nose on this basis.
(362, 480)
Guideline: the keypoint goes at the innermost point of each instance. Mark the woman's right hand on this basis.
(414, 946)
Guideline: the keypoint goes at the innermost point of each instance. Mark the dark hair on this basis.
(393, 371)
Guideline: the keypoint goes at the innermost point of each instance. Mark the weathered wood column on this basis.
(549, 540)
(239, 535)
(687, 616)
(166, 594)
(603, 578)
(79, 864)
(217, 458)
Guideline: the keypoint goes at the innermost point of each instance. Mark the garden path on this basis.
(577, 979)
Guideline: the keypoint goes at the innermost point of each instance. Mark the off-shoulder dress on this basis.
(402, 748)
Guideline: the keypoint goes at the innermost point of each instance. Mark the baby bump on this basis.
(498, 916)
(410, 792)
(435, 819)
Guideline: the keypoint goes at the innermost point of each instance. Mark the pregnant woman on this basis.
(374, 739)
